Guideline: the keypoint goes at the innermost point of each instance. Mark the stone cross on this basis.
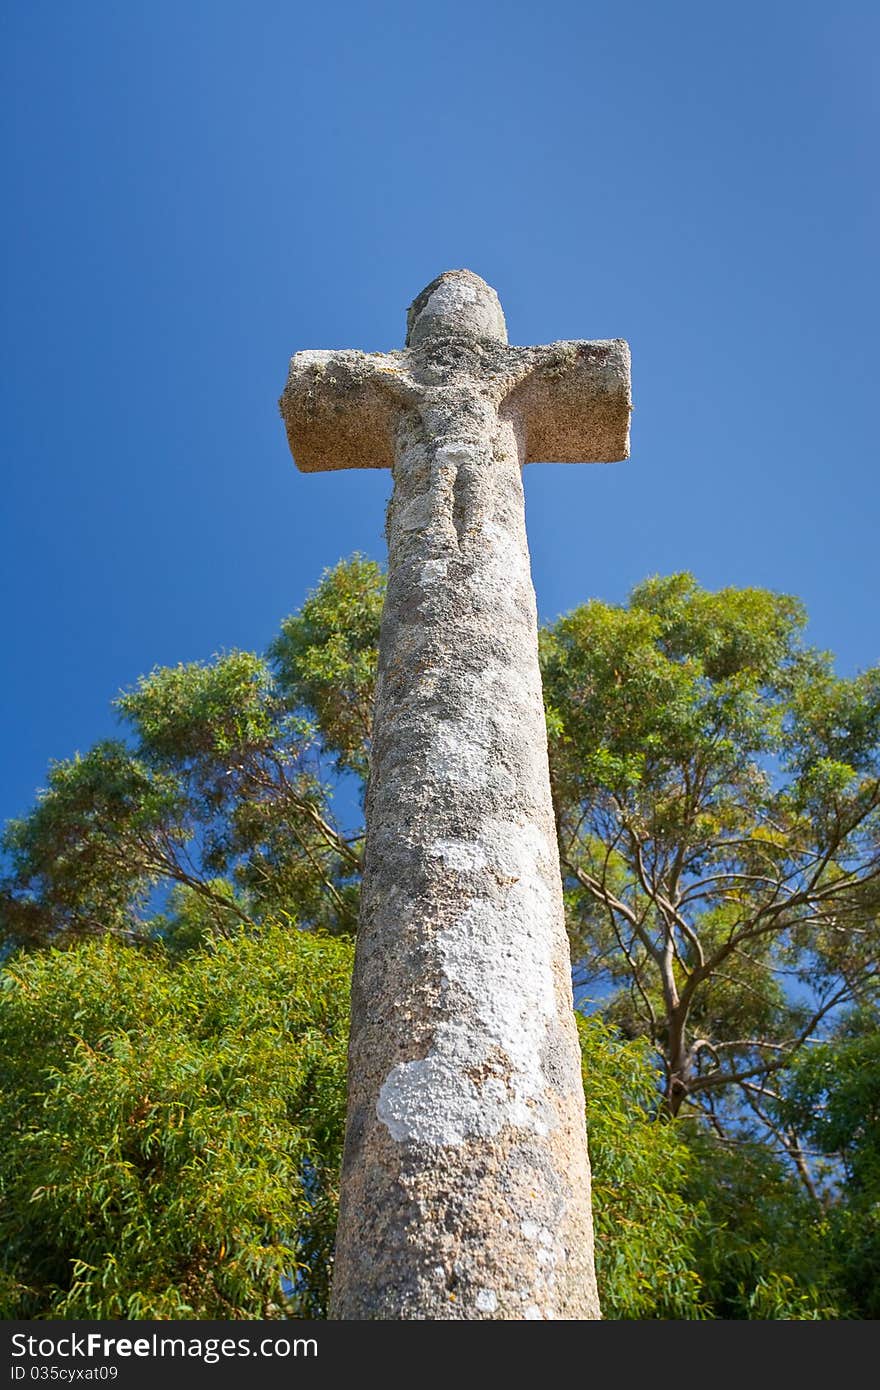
(465, 1183)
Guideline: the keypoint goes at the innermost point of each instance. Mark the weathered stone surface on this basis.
(465, 1189)
(569, 402)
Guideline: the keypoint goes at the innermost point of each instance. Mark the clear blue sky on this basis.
(195, 189)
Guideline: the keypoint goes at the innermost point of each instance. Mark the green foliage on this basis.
(173, 1077)
(192, 919)
(172, 1128)
(764, 1249)
(198, 715)
(326, 657)
(224, 789)
(172, 1132)
(855, 1231)
(718, 798)
(83, 861)
(832, 1098)
(646, 1232)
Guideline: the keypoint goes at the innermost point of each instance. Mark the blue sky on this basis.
(196, 190)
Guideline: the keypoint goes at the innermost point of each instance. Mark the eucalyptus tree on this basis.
(717, 790)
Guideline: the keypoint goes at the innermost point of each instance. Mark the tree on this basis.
(832, 1098)
(224, 786)
(716, 793)
(172, 1126)
(762, 1248)
(173, 1119)
(718, 807)
(648, 1227)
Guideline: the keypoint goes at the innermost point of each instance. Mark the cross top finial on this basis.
(571, 400)
(457, 304)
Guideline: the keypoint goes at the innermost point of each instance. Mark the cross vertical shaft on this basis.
(465, 1188)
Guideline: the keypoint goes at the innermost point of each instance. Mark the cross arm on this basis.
(340, 408)
(573, 401)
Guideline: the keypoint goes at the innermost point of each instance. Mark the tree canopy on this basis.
(223, 785)
(718, 799)
(173, 1120)
(717, 792)
(172, 1126)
